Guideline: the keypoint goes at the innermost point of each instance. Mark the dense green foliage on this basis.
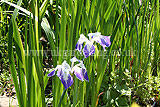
(127, 72)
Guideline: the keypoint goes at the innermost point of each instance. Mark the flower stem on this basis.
(59, 105)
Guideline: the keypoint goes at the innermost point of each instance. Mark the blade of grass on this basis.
(94, 20)
(77, 21)
(109, 10)
(43, 9)
(60, 102)
(12, 64)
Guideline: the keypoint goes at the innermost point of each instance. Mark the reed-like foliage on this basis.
(128, 66)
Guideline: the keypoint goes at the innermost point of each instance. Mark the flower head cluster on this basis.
(89, 48)
(64, 72)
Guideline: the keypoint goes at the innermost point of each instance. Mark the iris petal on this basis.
(92, 35)
(80, 42)
(67, 83)
(78, 46)
(59, 73)
(85, 75)
(105, 41)
(65, 65)
(51, 73)
(65, 77)
(88, 50)
(74, 59)
(85, 51)
(79, 74)
(92, 50)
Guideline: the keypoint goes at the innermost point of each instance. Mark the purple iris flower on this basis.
(104, 41)
(89, 48)
(79, 69)
(64, 72)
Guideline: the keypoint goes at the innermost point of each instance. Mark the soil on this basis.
(6, 101)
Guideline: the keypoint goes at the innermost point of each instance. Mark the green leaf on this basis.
(122, 102)
(109, 10)
(43, 8)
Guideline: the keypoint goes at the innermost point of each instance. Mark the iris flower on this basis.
(64, 72)
(89, 48)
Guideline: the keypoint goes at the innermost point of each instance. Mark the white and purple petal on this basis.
(74, 59)
(85, 75)
(52, 73)
(92, 35)
(104, 41)
(78, 72)
(80, 42)
(79, 46)
(66, 66)
(88, 50)
(59, 72)
(66, 83)
(82, 65)
(92, 50)
(65, 77)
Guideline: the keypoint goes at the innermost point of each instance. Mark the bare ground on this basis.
(6, 101)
